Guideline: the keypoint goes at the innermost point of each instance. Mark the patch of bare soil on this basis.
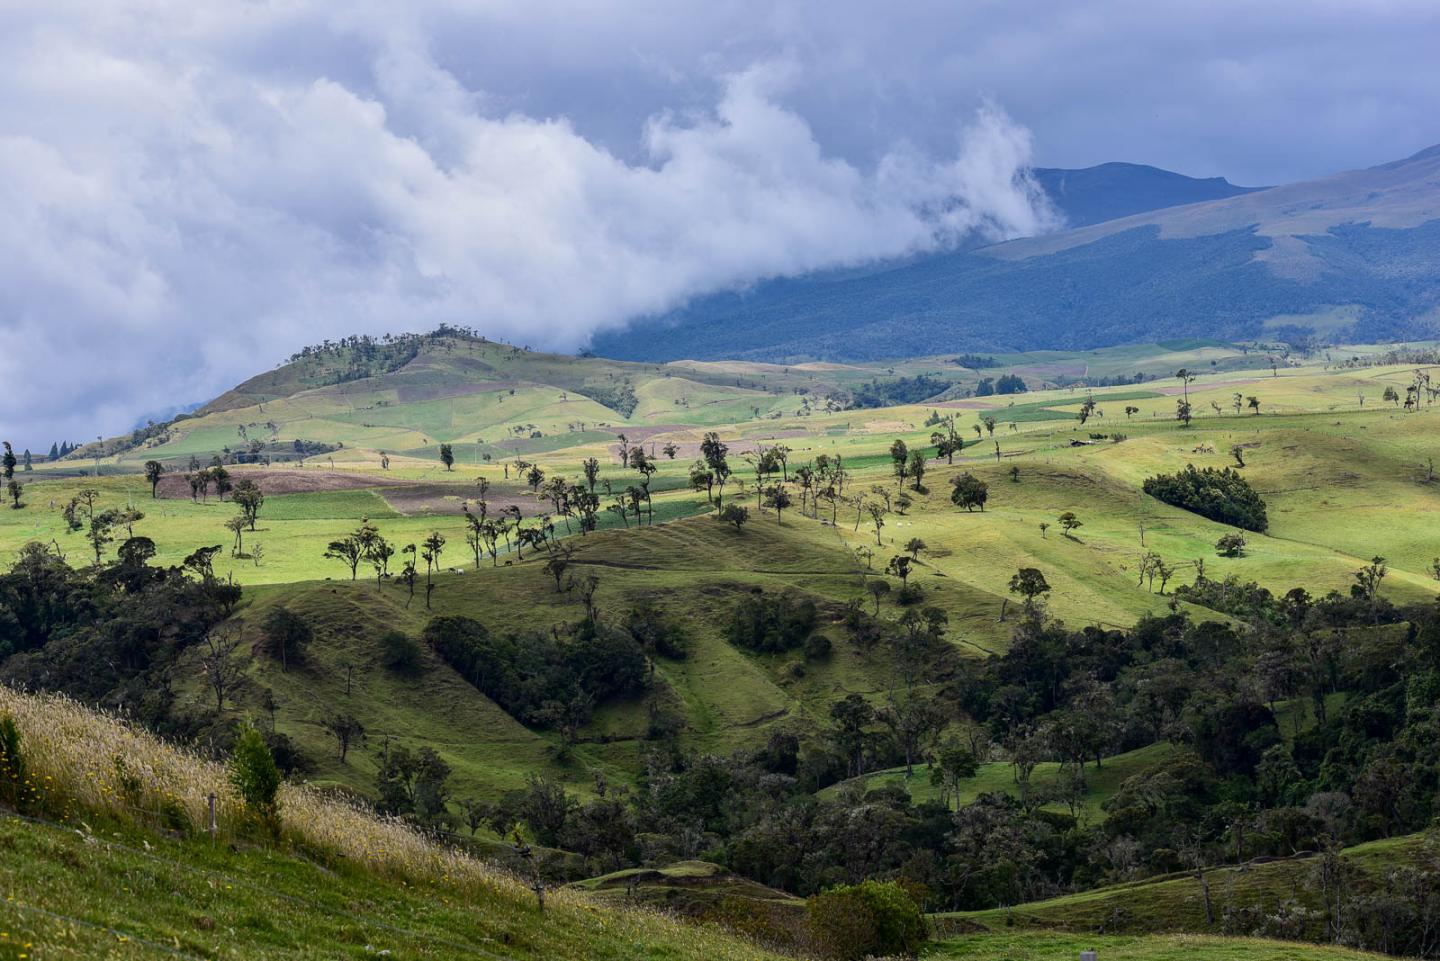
(297, 480)
(452, 498)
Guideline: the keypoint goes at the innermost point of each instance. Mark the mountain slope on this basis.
(1357, 253)
(1092, 195)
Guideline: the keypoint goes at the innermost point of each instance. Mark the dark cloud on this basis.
(191, 190)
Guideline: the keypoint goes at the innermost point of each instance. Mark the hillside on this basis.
(1350, 256)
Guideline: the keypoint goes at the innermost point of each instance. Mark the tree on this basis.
(1253, 403)
(900, 460)
(287, 634)
(447, 456)
(223, 671)
(1183, 413)
(1044, 526)
(28, 460)
(1391, 396)
(249, 498)
(1029, 583)
(954, 763)
(255, 776)
(1129, 410)
(558, 562)
(153, 471)
(917, 468)
(99, 534)
(7, 461)
(347, 549)
(670, 450)
(877, 589)
(1230, 545)
(591, 469)
(347, 730)
(714, 451)
(877, 514)
(900, 566)
(734, 514)
(777, 497)
(431, 548)
(236, 526)
(15, 489)
(379, 553)
(1069, 523)
(969, 492)
(914, 546)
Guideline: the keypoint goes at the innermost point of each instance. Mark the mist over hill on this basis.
(1353, 255)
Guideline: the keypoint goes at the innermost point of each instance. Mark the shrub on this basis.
(870, 919)
(14, 792)
(771, 624)
(1220, 495)
(400, 652)
(818, 647)
(255, 776)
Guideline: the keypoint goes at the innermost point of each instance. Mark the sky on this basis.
(190, 191)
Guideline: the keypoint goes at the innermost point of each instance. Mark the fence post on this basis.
(1087, 956)
(213, 825)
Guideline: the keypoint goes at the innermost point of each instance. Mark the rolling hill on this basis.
(1353, 255)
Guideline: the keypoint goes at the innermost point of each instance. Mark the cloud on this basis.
(189, 196)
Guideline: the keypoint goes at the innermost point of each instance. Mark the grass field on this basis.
(1344, 482)
(1034, 946)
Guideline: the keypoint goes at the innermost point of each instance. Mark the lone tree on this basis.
(899, 566)
(1253, 403)
(969, 492)
(15, 489)
(877, 589)
(447, 456)
(735, 515)
(249, 498)
(287, 634)
(1029, 583)
(1231, 545)
(917, 469)
(1069, 523)
(7, 461)
(914, 546)
(153, 470)
(347, 730)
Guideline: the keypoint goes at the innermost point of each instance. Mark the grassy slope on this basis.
(1174, 903)
(1047, 946)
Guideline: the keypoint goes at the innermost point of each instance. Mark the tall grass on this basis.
(87, 762)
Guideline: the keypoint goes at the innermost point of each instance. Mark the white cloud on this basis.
(191, 191)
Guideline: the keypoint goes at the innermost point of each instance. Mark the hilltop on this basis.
(1349, 256)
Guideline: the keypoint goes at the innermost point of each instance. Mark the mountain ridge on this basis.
(1354, 255)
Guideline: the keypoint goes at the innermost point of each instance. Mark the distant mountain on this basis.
(1095, 194)
(1355, 255)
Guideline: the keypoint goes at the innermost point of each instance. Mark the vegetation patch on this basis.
(1218, 494)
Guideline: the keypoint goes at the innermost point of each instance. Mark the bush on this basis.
(818, 647)
(870, 919)
(255, 776)
(771, 624)
(1220, 495)
(539, 678)
(399, 652)
(14, 792)
(655, 631)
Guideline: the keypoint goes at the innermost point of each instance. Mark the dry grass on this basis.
(87, 761)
